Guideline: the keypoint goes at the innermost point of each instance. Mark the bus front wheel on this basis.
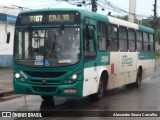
(47, 98)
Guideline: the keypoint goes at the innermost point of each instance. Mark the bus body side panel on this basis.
(114, 70)
(93, 71)
(123, 69)
(127, 66)
(147, 61)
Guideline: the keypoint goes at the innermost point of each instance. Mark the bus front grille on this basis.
(44, 74)
(47, 82)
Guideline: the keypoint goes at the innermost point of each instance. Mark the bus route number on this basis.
(36, 18)
(64, 17)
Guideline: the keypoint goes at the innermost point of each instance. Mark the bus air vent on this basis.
(44, 74)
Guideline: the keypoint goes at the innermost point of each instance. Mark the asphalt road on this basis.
(147, 98)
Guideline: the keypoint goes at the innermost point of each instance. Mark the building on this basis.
(7, 23)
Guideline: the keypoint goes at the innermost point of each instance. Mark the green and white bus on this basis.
(77, 53)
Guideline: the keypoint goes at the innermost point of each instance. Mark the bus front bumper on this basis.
(70, 90)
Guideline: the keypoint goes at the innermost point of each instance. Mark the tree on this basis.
(158, 35)
(123, 17)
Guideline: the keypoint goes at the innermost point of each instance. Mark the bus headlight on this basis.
(17, 75)
(20, 77)
(74, 76)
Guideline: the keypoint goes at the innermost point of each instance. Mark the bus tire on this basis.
(130, 85)
(99, 95)
(138, 79)
(47, 98)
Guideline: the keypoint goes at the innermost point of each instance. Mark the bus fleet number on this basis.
(36, 18)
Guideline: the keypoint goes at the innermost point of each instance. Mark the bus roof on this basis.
(124, 23)
(98, 17)
(146, 29)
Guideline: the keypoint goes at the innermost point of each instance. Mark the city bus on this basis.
(77, 53)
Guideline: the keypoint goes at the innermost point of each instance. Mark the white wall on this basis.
(6, 50)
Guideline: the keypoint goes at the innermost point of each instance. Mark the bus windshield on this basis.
(47, 47)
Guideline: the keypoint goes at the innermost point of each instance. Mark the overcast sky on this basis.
(143, 7)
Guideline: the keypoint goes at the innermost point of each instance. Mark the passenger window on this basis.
(113, 37)
(139, 41)
(123, 39)
(132, 40)
(102, 31)
(102, 43)
(151, 42)
(145, 41)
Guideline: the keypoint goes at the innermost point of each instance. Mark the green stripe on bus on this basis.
(146, 55)
(146, 29)
(102, 59)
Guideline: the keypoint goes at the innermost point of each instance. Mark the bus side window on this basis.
(123, 39)
(113, 37)
(151, 42)
(89, 43)
(132, 40)
(139, 39)
(145, 41)
(102, 36)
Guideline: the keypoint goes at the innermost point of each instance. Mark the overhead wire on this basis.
(118, 9)
(48, 4)
(56, 4)
(102, 3)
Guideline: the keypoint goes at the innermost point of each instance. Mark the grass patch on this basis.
(157, 55)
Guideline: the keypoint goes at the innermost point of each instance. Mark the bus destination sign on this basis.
(48, 18)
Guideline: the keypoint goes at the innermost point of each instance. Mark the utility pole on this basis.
(94, 6)
(131, 17)
(155, 20)
(155, 10)
(155, 15)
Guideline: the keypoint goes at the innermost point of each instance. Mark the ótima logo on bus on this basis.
(127, 61)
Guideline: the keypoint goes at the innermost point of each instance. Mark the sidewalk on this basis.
(6, 84)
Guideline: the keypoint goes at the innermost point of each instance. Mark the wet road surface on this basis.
(147, 98)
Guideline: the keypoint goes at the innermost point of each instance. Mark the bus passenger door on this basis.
(89, 83)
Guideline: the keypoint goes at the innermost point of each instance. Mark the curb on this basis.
(8, 95)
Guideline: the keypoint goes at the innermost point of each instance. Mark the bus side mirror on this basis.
(8, 37)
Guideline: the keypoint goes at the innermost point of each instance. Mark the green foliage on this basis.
(158, 35)
(122, 17)
(157, 55)
(147, 22)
